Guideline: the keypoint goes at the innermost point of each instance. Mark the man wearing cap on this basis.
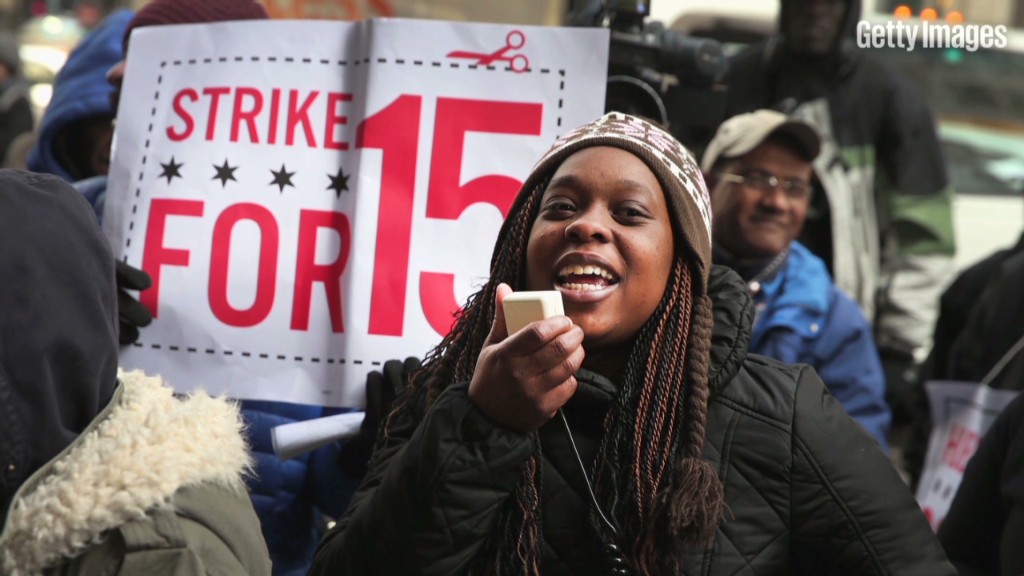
(759, 170)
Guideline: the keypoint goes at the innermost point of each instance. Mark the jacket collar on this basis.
(797, 299)
(733, 311)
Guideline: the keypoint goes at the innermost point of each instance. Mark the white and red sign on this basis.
(961, 414)
(314, 198)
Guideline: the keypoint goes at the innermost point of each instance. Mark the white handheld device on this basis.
(521, 308)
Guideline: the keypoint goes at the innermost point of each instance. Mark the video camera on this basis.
(658, 73)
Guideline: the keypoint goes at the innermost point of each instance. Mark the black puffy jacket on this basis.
(808, 491)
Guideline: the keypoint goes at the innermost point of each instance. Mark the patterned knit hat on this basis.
(194, 12)
(676, 169)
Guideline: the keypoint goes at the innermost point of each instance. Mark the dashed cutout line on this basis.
(145, 156)
(359, 61)
(260, 355)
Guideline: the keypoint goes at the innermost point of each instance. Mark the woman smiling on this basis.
(631, 435)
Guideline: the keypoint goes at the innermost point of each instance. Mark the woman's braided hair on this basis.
(648, 471)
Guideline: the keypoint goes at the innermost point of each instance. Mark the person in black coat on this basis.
(987, 349)
(979, 338)
(955, 310)
(985, 525)
(633, 435)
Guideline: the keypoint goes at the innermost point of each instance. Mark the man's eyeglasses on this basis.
(767, 182)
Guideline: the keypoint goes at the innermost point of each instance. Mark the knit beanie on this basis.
(674, 166)
(194, 12)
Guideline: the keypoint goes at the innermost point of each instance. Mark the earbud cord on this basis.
(583, 469)
(618, 562)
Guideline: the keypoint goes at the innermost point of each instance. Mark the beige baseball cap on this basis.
(744, 132)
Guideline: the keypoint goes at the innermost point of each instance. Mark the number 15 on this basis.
(395, 131)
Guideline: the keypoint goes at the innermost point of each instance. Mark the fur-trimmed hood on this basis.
(144, 447)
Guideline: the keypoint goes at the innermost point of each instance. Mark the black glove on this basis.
(381, 389)
(131, 314)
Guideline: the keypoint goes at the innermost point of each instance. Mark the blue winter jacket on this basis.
(81, 90)
(291, 496)
(803, 318)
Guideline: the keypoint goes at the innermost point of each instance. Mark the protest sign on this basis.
(961, 414)
(314, 198)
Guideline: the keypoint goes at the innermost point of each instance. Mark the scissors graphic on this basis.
(514, 41)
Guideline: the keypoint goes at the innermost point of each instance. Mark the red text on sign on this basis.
(447, 197)
(961, 445)
(266, 275)
(312, 118)
(308, 273)
(395, 131)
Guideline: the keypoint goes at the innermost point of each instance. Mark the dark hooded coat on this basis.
(58, 323)
(101, 473)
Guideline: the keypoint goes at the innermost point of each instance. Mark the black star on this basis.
(224, 173)
(170, 170)
(339, 183)
(282, 178)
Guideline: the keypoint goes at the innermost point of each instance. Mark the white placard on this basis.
(313, 198)
(961, 414)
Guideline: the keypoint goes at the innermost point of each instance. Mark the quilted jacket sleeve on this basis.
(852, 513)
(430, 497)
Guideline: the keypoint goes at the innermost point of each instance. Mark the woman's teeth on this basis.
(584, 278)
(588, 270)
(583, 287)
